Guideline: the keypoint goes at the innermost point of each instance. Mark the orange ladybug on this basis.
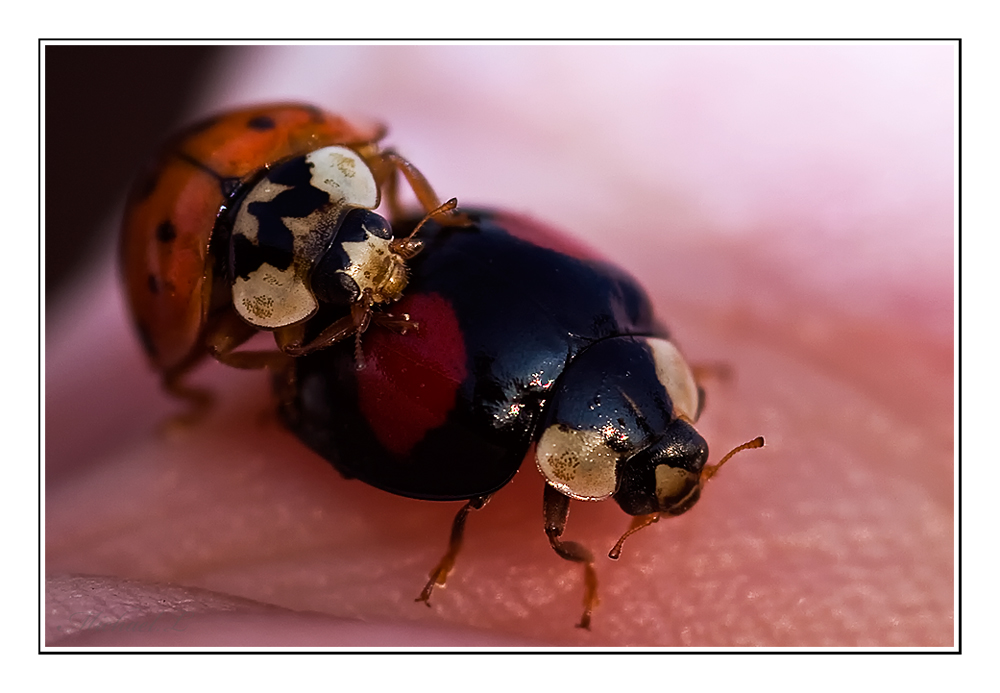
(254, 220)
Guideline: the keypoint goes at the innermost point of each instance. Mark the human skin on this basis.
(789, 211)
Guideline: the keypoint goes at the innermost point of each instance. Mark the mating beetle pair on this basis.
(501, 343)
(249, 221)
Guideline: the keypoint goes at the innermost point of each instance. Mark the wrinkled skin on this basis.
(789, 214)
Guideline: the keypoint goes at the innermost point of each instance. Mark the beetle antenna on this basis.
(442, 209)
(638, 522)
(710, 470)
(642, 521)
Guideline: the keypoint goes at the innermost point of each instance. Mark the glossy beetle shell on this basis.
(450, 412)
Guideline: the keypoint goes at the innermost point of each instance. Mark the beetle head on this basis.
(619, 424)
(665, 476)
(363, 255)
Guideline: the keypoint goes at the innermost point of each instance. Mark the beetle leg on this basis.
(199, 400)
(336, 331)
(223, 333)
(252, 360)
(556, 510)
(386, 165)
(439, 575)
(715, 370)
(362, 316)
(702, 372)
(355, 323)
(388, 183)
(400, 324)
(222, 340)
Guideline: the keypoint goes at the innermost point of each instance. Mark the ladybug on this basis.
(251, 221)
(523, 350)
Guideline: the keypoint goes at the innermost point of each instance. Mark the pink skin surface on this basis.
(789, 209)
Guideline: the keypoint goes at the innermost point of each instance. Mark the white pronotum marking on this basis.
(345, 176)
(677, 378)
(271, 297)
(579, 464)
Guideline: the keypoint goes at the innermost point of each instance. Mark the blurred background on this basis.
(843, 150)
(106, 107)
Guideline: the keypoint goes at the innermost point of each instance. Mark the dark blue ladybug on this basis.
(518, 342)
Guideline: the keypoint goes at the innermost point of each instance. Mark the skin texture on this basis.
(789, 209)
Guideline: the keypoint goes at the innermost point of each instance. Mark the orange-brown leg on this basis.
(720, 371)
(439, 575)
(230, 332)
(362, 315)
(198, 400)
(388, 183)
(703, 372)
(556, 510)
(400, 324)
(356, 323)
(387, 165)
(335, 332)
(253, 360)
(225, 329)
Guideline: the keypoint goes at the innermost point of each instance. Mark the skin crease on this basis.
(789, 210)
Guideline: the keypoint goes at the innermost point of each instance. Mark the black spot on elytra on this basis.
(165, 232)
(274, 240)
(154, 286)
(261, 122)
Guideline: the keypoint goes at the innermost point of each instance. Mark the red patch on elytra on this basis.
(409, 382)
